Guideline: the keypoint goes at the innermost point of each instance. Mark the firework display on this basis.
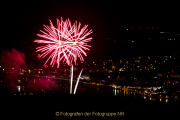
(66, 42)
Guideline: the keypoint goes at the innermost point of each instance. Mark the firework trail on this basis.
(77, 82)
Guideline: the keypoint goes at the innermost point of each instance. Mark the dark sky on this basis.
(101, 16)
(21, 21)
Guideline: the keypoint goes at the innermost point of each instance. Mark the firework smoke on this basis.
(11, 61)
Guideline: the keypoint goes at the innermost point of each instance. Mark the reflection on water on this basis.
(118, 92)
(123, 93)
(127, 94)
(115, 92)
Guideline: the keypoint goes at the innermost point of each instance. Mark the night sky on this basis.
(21, 21)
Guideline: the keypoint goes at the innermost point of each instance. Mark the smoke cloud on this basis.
(11, 61)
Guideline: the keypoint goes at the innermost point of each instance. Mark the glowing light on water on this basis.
(19, 88)
(115, 92)
(118, 92)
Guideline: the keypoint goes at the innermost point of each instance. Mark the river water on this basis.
(127, 94)
(123, 93)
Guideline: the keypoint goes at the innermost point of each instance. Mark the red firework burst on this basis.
(66, 42)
